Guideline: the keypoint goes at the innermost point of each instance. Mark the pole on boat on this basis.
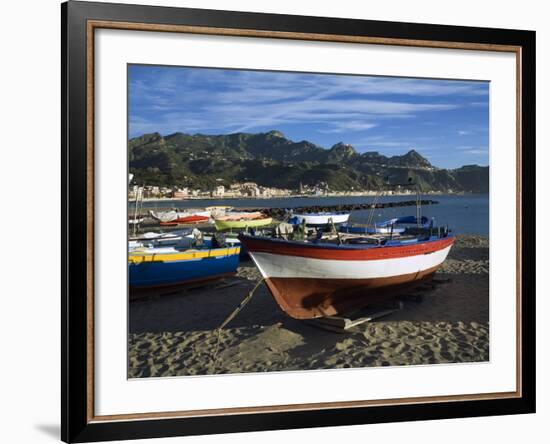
(135, 211)
(418, 206)
(373, 207)
(333, 228)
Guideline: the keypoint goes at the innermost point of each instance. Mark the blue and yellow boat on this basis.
(173, 266)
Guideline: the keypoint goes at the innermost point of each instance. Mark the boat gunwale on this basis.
(139, 257)
(323, 245)
(323, 213)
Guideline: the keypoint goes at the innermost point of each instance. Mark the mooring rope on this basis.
(235, 312)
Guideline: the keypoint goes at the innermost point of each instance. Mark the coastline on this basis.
(296, 196)
(175, 334)
(464, 214)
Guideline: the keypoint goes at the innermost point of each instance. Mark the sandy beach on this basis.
(175, 334)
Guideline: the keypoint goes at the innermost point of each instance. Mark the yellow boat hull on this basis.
(236, 224)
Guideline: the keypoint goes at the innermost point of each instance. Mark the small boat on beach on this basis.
(319, 219)
(186, 238)
(153, 239)
(240, 215)
(218, 210)
(316, 278)
(393, 226)
(241, 220)
(175, 217)
(238, 224)
(188, 220)
(167, 266)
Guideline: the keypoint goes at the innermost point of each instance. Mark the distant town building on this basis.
(181, 193)
(235, 190)
(219, 191)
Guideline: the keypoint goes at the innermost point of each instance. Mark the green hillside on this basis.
(270, 159)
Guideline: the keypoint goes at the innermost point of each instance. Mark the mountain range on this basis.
(270, 159)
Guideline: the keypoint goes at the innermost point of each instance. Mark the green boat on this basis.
(241, 224)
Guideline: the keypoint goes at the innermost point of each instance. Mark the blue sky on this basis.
(447, 121)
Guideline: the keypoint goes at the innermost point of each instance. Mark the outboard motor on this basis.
(319, 235)
(218, 240)
(198, 240)
(283, 230)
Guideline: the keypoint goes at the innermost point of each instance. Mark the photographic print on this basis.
(275, 222)
(293, 221)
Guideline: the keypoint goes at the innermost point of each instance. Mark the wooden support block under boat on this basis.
(345, 322)
(342, 324)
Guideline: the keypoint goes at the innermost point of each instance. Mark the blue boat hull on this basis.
(163, 274)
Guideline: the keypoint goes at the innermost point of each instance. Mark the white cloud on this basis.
(347, 126)
(195, 100)
(475, 150)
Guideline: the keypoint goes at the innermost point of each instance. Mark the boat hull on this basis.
(167, 270)
(309, 281)
(241, 224)
(318, 220)
(238, 216)
(304, 298)
(176, 217)
(193, 219)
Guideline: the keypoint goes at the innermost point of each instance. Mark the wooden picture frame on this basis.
(79, 22)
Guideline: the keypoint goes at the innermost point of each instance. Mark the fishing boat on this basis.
(167, 266)
(316, 278)
(218, 210)
(319, 219)
(188, 220)
(181, 238)
(395, 226)
(223, 224)
(175, 217)
(240, 215)
(153, 239)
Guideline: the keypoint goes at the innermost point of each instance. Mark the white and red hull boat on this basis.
(187, 220)
(310, 280)
(183, 217)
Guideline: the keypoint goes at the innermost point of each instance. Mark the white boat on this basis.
(183, 217)
(319, 219)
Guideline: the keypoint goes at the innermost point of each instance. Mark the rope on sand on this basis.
(235, 312)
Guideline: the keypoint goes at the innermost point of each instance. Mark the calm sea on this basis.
(467, 214)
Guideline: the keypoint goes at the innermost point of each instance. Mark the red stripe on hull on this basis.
(187, 220)
(303, 298)
(318, 251)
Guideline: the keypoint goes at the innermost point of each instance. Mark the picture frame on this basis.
(80, 20)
